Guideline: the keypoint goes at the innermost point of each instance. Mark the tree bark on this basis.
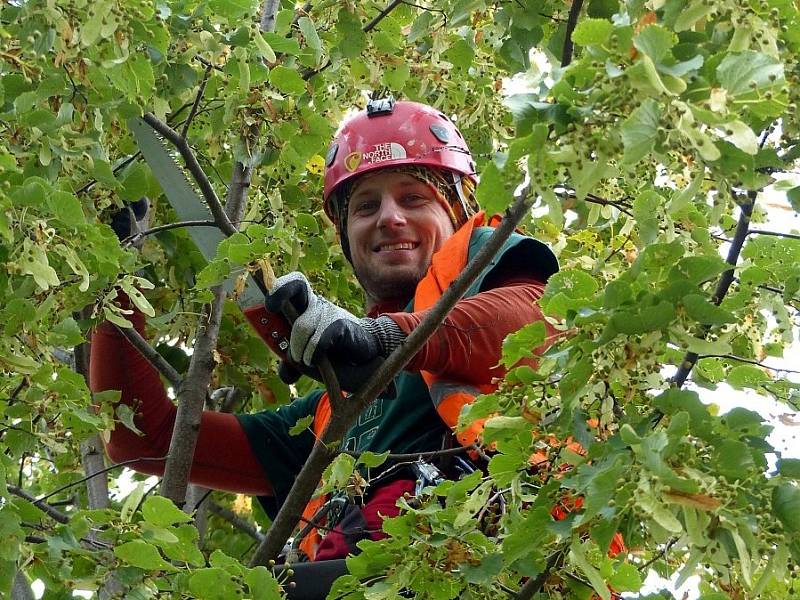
(21, 589)
(268, 11)
(191, 400)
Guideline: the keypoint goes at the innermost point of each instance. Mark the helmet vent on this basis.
(380, 106)
(329, 158)
(441, 133)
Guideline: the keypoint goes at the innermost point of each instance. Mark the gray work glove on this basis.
(324, 329)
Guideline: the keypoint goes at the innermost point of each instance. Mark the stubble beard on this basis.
(390, 287)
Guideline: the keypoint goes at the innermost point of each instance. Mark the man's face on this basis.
(395, 223)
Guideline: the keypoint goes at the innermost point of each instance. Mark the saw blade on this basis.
(188, 203)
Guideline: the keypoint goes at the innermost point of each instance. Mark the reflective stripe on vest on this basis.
(448, 262)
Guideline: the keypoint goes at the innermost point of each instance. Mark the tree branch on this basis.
(535, 585)
(153, 357)
(309, 73)
(724, 284)
(268, 12)
(196, 104)
(749, 361)
(345, 413)
(572, 21)
(791, 236)
(191, 399)
(381, 15)
(238, 522)
(51, 512)
(153, 230)
(196, 171)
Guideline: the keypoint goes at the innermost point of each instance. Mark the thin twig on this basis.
(572, 22)
(210, 196)
(100, 472)
(196, 104)
(153, 230)
(381, 15)
(411, 456)
(309, 73)
(151, 355)
(791, 236)
(238, 522)
(749, 361)
(659, 555)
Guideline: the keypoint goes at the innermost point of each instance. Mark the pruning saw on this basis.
(189, 206)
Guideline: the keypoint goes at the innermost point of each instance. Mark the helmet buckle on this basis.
(380, 106)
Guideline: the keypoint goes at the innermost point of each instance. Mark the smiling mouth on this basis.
(396, 246)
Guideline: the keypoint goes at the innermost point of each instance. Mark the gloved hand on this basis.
(324, 329)
(131, 219)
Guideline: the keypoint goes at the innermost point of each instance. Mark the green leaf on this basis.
(626, 579)
(132, 502)
(287, 80)
(742, 137)
(504, 468)
(575, 379)
(748, 71)
(262, 584)
(33, 261)
(793, 196)
(786, 506)
(789, 467)
(747, 376)
(139, 553)
(644, 319)
(68, 333)
(689, 15)
(372, 459)
(639, 131)
(232, 9)
(460, 53)
(397, 77)
(213, 584)
(264, 49)
(592, 32)
(160, 511)
(302, 424)
(592, 574)
(703, 311)
(491, 192)
(573, 283)
(66, 207)
(655, 41)
(734, 459)
(681, 199)
(521, 344)
(700, 269)
(279, 43)
(486, 571)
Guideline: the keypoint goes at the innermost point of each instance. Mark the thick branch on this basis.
(191, 399)
(92, 456)
(572, 21)
(195, 169)
(152, 356)
(345, 413)
(268, 11)
(238, 522)
(724, 284)
(51, 512)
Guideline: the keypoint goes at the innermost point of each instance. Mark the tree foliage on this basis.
(647, 132)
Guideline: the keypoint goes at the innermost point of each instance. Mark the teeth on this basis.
(400, 246)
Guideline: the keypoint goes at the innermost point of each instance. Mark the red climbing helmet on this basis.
(390, 134)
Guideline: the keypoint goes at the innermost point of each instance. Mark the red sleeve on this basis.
(467, 347)
(223, 457)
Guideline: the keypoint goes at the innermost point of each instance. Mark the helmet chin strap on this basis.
(459, 188)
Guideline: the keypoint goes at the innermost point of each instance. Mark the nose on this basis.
(390, 214)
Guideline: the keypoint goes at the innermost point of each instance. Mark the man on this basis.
(399, 187)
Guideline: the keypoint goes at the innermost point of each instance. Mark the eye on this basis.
(365, 206)
(415, 199)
